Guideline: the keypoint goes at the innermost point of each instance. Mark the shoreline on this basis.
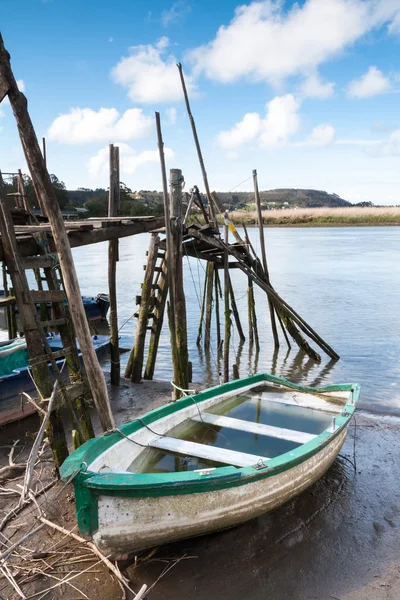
(312, 225)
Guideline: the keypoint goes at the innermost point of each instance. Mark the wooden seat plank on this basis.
(259, 428)
(222, 455)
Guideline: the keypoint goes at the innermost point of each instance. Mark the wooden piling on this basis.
(236, 312)
(208, 307)
(181, 375)
(217, 287)
(50, 207)
(264, 256)
(227, 312)
(199, 153)
(113, 248)
(202, 310)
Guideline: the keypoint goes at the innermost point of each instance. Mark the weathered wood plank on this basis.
(276, 432)
(113, 256)
(28, 246)
(45, 296)
(222, 455)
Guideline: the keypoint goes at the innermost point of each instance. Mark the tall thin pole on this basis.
(169, 242)
(113, 210)
(197, 144)
(227, 337)
(264, 256)
(44, 151)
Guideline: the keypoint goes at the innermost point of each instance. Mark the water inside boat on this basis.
(282, 419)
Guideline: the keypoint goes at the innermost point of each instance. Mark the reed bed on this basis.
(353, 215)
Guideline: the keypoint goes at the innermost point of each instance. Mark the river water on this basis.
(343, 281)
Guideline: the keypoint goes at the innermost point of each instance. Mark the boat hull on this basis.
(128, 524)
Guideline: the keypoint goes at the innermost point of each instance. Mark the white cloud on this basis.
(372, 83)
(266, 43)
(171, 115)
(149, 75)
(322, 135)
(130, 160)
(281, 121)
(244, 131)
(389, 147)
(313, 87)
(85, 125)
(394, 26)
(178, 11)
(232, 155)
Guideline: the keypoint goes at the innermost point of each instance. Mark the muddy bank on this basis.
(339, 539)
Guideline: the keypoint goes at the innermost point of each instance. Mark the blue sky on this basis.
(305, 92)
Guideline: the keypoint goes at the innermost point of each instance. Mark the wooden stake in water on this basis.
(227, 312)
(113, 210)
(181, 370)
(264, 256)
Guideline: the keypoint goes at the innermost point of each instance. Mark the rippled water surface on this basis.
(344, 281)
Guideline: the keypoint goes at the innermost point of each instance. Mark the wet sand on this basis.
(338, 540)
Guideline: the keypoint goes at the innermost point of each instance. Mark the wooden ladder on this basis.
(152, 306)
(43, 361)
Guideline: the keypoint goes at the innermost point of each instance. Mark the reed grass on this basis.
(309, 217)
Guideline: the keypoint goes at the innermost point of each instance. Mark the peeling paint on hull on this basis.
(130, 524)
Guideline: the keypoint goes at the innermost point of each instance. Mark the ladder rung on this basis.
(158, 269)
(45, 296)
(45, 359)
(149, 316)
(54, 322)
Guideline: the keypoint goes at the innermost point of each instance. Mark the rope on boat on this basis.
(183, 390)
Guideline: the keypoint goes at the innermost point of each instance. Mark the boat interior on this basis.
(240, 429)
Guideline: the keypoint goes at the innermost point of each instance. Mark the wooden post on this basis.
(197, 144)
(203, 305)
(113, 210)
(264, 256)
(171, 309)
(49, 205)
(249, 312)
(252, 310)
(209, 297)
(44, 151)
(227, 312)
(135, 362)
(217, 317)
(181, 376)
(236, 312)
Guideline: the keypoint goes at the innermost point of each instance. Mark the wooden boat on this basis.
(207, 462)
(96, 308)
(15, 378)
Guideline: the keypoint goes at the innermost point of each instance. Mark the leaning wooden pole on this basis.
(171, 304)
(113, 248)
(264, 257)
(197, 144)
(179, 315)
(48, 202)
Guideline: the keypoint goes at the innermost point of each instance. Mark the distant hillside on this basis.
(284, 197)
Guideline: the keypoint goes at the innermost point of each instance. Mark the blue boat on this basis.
(15, 378)
(96, 308)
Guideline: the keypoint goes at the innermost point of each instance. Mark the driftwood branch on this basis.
(115, 571)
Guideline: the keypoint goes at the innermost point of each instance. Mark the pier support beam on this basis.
(113, 257)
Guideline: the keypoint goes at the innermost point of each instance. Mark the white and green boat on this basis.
(207, 462)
